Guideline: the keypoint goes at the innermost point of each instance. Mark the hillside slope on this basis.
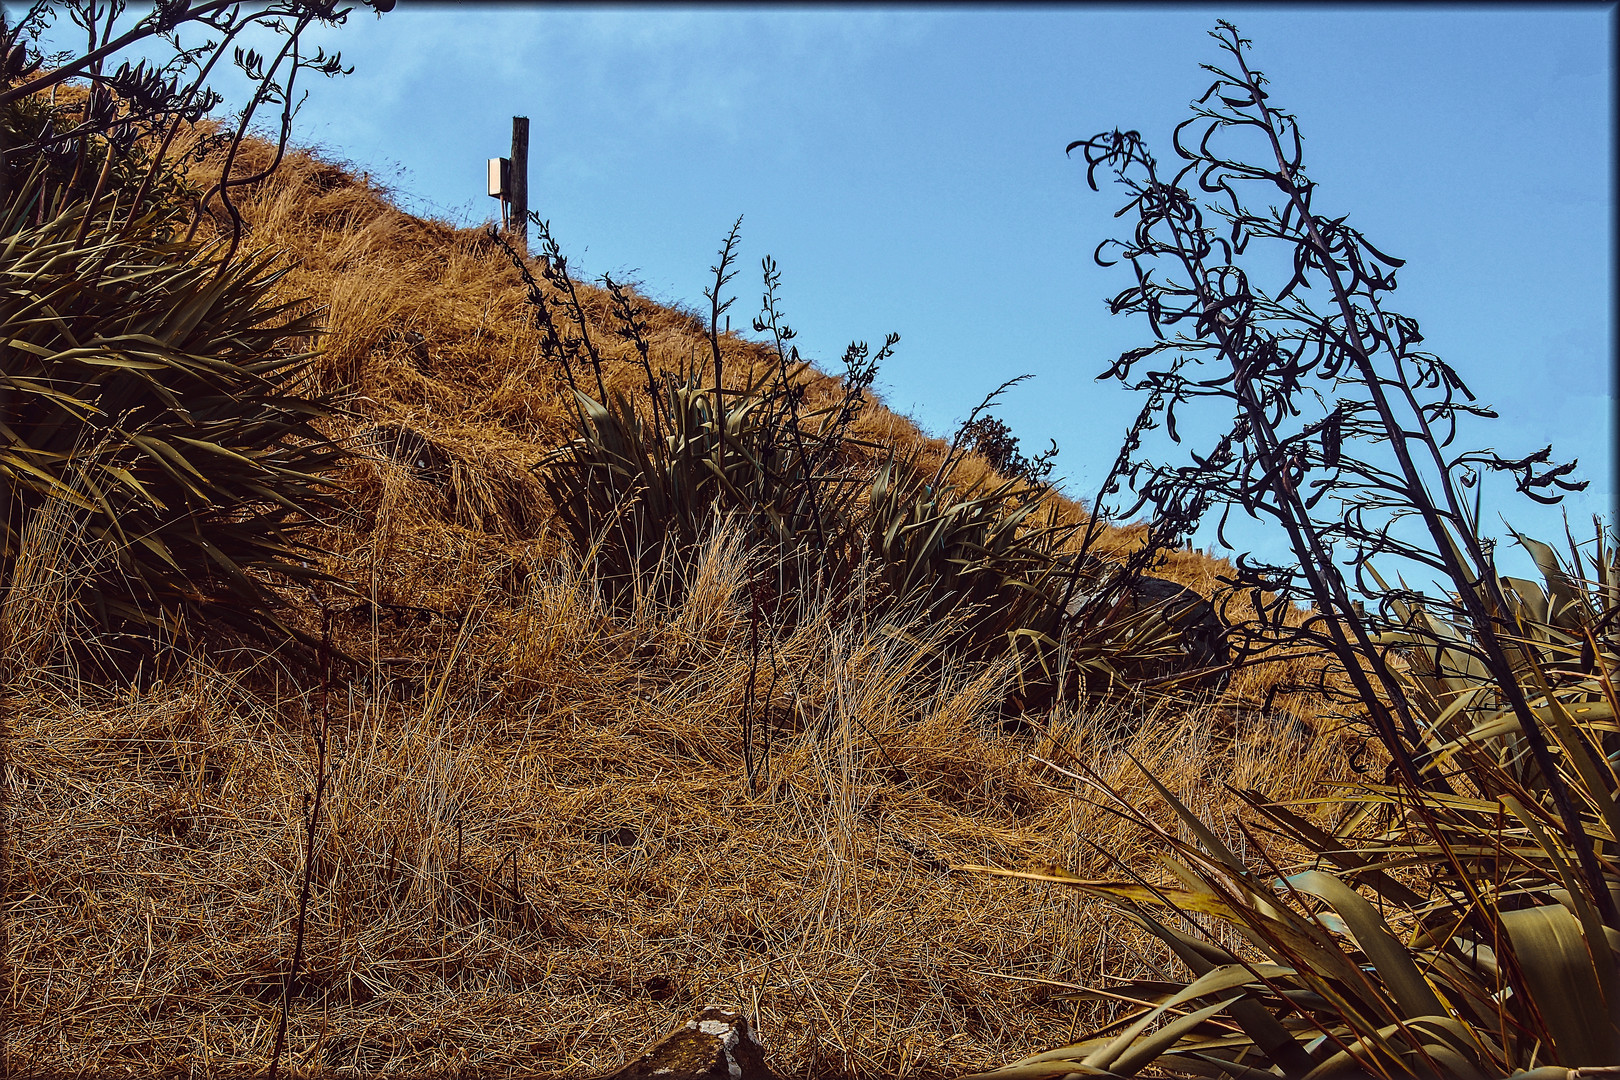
(538, 848)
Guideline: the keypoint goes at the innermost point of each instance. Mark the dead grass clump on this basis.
(554, 875)
(38, 621)
(456, 477)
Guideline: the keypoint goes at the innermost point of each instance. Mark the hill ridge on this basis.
(539, 846)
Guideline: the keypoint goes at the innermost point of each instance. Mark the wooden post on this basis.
(520, 181)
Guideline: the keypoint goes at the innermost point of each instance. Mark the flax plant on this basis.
(1458, 918)
(156, 393)
(823, 509)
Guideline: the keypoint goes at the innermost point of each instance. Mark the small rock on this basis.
(715, 1045)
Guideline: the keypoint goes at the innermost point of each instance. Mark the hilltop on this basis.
(539, 847)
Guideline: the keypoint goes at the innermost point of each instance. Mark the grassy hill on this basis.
(538, 848)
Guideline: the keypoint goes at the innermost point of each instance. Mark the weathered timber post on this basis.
(519, 181)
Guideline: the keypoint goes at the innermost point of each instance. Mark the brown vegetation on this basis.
(538, 847)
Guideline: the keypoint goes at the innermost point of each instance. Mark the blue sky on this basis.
(905, 167)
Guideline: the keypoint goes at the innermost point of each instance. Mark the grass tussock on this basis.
(539, 848)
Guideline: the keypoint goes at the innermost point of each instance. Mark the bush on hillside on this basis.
(650, 472)
(157, 454)
(155, 414)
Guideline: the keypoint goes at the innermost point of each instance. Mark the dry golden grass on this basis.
(539, 848)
